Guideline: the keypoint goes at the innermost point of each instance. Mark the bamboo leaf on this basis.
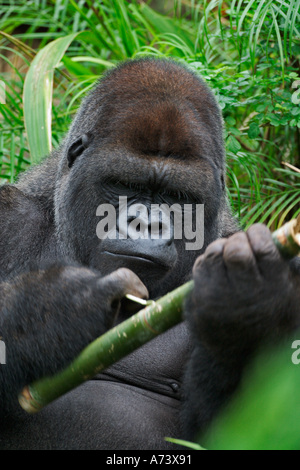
(37, 96)
(187, 444)
(287, 25)
(97, 34)
(253, 42)
(163, 24)
(244, 14)
(293, 29)
(127, 32)
(279, 40)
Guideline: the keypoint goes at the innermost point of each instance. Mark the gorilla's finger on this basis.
(239, 257)
(210, 264)
(215, 250)
(212, 254)
(264, 249)
(126, 282)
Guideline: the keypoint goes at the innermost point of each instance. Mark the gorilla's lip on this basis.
(141, 259)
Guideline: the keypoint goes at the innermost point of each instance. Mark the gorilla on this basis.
(151, 133)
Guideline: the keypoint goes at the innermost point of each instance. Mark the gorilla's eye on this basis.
(127, 187)
(176, 195)
(139, 188)
(179, 196)
(78, 147)
(167, 195)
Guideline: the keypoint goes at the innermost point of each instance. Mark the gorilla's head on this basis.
(150, 133)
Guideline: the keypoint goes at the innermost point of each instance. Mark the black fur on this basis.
(153, 128)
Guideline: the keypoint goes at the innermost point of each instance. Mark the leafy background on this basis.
(248, 51)
(51, 54)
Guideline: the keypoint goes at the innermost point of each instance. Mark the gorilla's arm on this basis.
(245, 295)
(47, 317)
(48, 313)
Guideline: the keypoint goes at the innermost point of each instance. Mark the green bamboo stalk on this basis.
(117, 343)
(287, 238)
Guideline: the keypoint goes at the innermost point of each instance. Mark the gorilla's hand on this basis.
(115, 287)
(244, 293)
(53, 314)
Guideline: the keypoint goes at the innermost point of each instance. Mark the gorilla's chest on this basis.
(157, 366)
(135, 404)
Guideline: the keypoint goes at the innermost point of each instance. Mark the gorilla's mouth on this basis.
(149, 270)
(140, 259)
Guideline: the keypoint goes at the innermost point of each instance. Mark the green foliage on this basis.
(248, 51)
(37, 94)
(265, 413)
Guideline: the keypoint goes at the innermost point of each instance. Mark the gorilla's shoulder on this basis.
(10, 198)
(17, 209)
(295, 265)
(25, 230)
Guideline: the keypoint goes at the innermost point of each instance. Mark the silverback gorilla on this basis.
(151, 131)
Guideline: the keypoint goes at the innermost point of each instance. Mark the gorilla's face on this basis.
(135, 180)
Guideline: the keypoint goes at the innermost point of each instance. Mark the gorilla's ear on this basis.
(223, 182)
(78, 147)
